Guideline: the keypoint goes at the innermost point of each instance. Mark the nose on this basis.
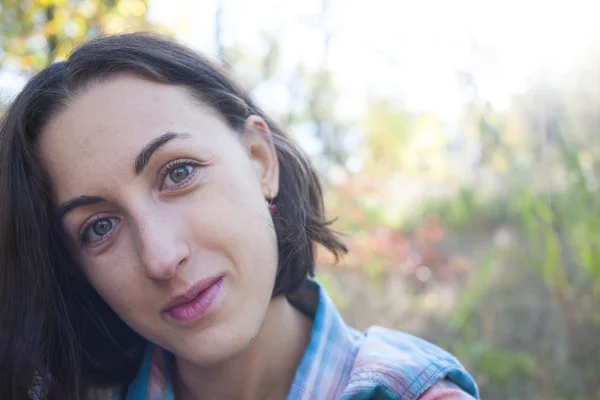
(161, 244)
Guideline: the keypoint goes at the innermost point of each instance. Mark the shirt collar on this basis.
(327, 362)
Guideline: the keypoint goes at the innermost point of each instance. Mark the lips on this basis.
(196, 301)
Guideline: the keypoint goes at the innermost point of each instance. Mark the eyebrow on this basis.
(143, 157)
(141, 161)
(78, 201)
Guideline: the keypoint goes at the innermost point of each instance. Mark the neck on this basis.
(264, 370)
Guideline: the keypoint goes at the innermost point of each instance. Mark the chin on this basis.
(213, 345)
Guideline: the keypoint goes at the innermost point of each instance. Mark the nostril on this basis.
(182, 261)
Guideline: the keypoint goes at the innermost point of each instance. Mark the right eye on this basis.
(98, 230)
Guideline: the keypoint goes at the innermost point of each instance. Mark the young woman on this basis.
(156, 242)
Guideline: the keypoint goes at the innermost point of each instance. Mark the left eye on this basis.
(178, 175)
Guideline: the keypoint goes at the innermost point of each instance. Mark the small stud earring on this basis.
(272, 207)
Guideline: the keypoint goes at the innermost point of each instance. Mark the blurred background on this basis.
(457, 142)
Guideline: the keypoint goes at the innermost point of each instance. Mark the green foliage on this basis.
(531, 308)
(329, 283)
(389, 130)
(479, 284)
(399, 140)
(557, 226)
(496, 365)
(34, 33)
(461, 211)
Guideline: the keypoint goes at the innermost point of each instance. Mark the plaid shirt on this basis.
(341, 363)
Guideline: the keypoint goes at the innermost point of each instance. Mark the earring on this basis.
(272, 207)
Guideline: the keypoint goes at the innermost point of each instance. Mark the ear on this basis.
(258, 140)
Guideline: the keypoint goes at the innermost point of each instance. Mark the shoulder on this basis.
(395, 365)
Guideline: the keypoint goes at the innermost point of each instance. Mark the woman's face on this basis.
(164, 207)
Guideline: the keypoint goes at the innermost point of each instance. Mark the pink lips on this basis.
(196, 302)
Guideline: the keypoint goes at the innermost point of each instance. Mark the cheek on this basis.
(237, 216)
(232, 217)
(229, 203)
(117, 279)
(131, 301)
(118, 291)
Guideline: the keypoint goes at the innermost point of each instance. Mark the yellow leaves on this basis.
(17, 43)
(60, 17)
(113, 24)
(126, 16)
(63, 50)
(51, 28)
(499, 163)
(134, 8)
(42, 3)
(29, 60)
(399, 140)
(387, 130)
(48, 3)
(62, 24)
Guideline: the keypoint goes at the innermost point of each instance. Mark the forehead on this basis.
(103, 128)
(123, 108)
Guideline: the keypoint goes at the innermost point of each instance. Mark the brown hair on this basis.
(56, 333)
